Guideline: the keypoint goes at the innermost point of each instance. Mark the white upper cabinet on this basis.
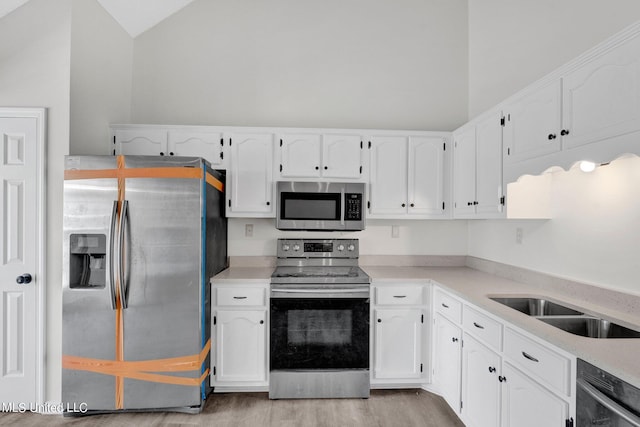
(489, 188)
(143, 141)
(388, 181)
(320, 156)
(342, 156)
(426, 175)
(208, 145)
(602, 98)
(407, 177)
(532, 124)
(464, 173)
(300, 156)
(250, 187)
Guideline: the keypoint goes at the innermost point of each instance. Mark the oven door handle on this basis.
(321, 293)
(343, 207)
(610, 404)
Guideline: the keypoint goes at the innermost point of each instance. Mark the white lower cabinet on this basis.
(518, 381)
(525, 403)
(480, 384)
(446, 360)
(399, 334)
(239, 331)
(398, 352)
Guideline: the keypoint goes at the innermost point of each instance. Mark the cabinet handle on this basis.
(475, 203)
(530, 357)
(445, 305)
(477, 325)
(162, 153)
(171, 153)
(412, 205)
(317, 167)
(239, 297)
(379, 320)
(454, 339)
(502, 379)
(492, 369)
(404, 204)
(564, 132)
(268, 203)
(326, 167)
(262, 322)
(551, 136)
(399, 296)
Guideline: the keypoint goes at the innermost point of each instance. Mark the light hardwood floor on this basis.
(385, 408)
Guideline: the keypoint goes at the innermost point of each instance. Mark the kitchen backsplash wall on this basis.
(593, 236)
(415, 237)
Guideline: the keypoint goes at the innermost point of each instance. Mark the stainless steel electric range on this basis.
(319, 311)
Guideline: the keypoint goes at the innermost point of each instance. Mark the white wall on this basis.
(101, 76)
(593, 236)
(416, 237)
(348, 64)
(34, 72)
(513, 43)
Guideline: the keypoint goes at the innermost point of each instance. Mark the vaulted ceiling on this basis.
(135, 16)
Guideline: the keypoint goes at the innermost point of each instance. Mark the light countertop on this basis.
(617, 356)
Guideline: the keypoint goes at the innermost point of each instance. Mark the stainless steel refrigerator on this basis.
(142, 237)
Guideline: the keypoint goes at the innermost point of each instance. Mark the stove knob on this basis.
(351, 247)
(340, 248)
(296, 247)
(285, 248)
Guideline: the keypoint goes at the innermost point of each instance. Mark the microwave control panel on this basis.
(353, 208)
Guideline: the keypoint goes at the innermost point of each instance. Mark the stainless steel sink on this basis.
(591, 327)
(537, 306)
(568, 319)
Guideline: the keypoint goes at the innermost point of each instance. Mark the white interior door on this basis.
(21, 256)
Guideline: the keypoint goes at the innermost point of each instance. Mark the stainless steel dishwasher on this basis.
(605, 400)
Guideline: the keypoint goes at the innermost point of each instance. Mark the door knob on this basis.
(24, 279)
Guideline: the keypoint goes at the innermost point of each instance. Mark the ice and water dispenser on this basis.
(88, 261)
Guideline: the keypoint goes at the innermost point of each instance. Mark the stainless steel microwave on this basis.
(320, 206)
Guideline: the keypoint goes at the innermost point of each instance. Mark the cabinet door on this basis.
(489, 166)
(388, 183)
(525, 403)
(602, 98)
(145, 142)
(480, 385)
(342, 156)
(241, 353)
(447, 360)
(532, 126)
(464, 173)
(300, 156)
(207, 145)
(398, 343)
(251, 183)
(426, 176)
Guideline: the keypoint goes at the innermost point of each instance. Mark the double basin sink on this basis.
(568, 319)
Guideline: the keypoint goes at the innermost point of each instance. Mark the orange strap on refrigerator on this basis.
(144, 369)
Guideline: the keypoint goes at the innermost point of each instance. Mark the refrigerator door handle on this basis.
(112, 235)
(121, 252)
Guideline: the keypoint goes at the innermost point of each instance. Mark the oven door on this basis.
(319, 346)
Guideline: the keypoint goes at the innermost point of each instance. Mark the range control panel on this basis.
(318, 248)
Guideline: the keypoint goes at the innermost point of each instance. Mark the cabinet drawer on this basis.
(547, 366)
(482, 327)
(235, 296)
(399, 295)
(448, 306)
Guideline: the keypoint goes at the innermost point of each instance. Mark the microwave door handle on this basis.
(343, 207)
(608, 403)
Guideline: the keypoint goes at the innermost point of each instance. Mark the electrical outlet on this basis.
(248, 230)
(519, 236)
(395, 231)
